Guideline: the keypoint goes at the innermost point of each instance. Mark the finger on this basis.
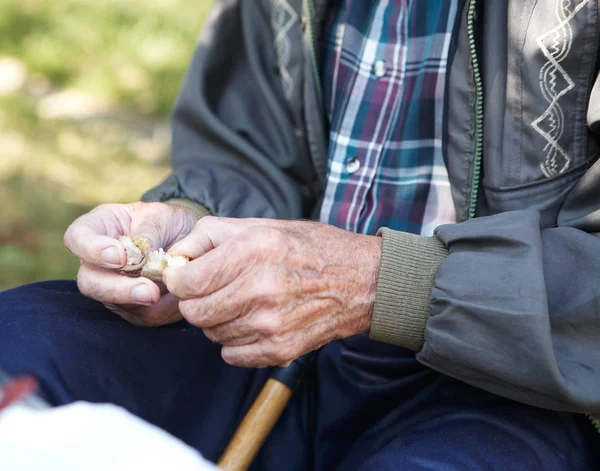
(243, 326)
(210, 232)
(92, 237)
(222, 265)
(240, 331)
(245, 356)
(206, 274)
(199, 241)
(160, 224)
(110, 287)
(260, 354)
(275, 349)
(224, 305)
(163, 313)
(203, 313)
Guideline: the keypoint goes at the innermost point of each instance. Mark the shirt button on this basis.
(379, 68)
(352, 165)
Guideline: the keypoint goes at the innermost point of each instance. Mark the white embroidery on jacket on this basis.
(555, 83)
(283, 17)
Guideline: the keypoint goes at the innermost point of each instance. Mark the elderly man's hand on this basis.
(93, 238)
(270, 291)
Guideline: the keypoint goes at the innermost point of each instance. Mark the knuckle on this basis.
(276, 355)
(212, 335)
(239, 244)
(68, 237)
(270, 326)
(264, 289)
(194, 280)
(110, 294)
(194, 311)
(204, 224)
(230, 358)
(83, 284)
(207, 221)
(138, 205)
(103, 207)
(287, 352)
(264, 238)
(185, 307)
(280, 340)
(271, 237)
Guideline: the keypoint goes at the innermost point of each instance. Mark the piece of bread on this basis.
(158, 260)
(136, 249)
(149, 264)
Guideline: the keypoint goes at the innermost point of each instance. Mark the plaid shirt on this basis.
(384, 67)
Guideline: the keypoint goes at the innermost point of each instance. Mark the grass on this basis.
(86, 120)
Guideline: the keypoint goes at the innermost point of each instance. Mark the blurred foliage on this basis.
(85, 92)
(129, 51)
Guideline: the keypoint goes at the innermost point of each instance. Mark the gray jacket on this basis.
(507, 299)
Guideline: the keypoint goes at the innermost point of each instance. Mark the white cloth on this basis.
(83, 436)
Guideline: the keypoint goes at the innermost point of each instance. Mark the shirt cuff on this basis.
(407, 271)
(195, 208)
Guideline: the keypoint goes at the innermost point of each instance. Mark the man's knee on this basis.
(40, 316)
(47, 298)
(540, 440)
(43, 331)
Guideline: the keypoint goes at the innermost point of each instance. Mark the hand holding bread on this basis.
(107, 264)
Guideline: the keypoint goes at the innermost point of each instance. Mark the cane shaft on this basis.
(256, 426)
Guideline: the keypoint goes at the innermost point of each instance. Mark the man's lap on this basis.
(171, 376)
(414, 418)
(366, 405)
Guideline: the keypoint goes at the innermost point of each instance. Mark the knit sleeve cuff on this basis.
(195, 208)
(406, 274)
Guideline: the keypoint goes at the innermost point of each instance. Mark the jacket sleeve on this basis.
(235, 151)
(501, 303)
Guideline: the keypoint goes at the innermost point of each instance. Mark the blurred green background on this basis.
(85, 92)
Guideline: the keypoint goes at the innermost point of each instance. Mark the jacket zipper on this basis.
(478, 151)
(476, 176)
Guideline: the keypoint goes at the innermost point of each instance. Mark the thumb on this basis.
(210, 232)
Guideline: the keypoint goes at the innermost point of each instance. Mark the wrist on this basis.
(369, 270)
(196, 209)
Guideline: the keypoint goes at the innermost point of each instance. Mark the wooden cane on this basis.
(264, 413)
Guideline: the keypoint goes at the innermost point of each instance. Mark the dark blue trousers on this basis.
(365, 405)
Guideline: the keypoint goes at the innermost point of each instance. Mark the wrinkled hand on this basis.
(270, 291)
(93, 238)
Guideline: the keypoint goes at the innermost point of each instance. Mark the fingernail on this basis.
(141, 294)
(111, 255)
